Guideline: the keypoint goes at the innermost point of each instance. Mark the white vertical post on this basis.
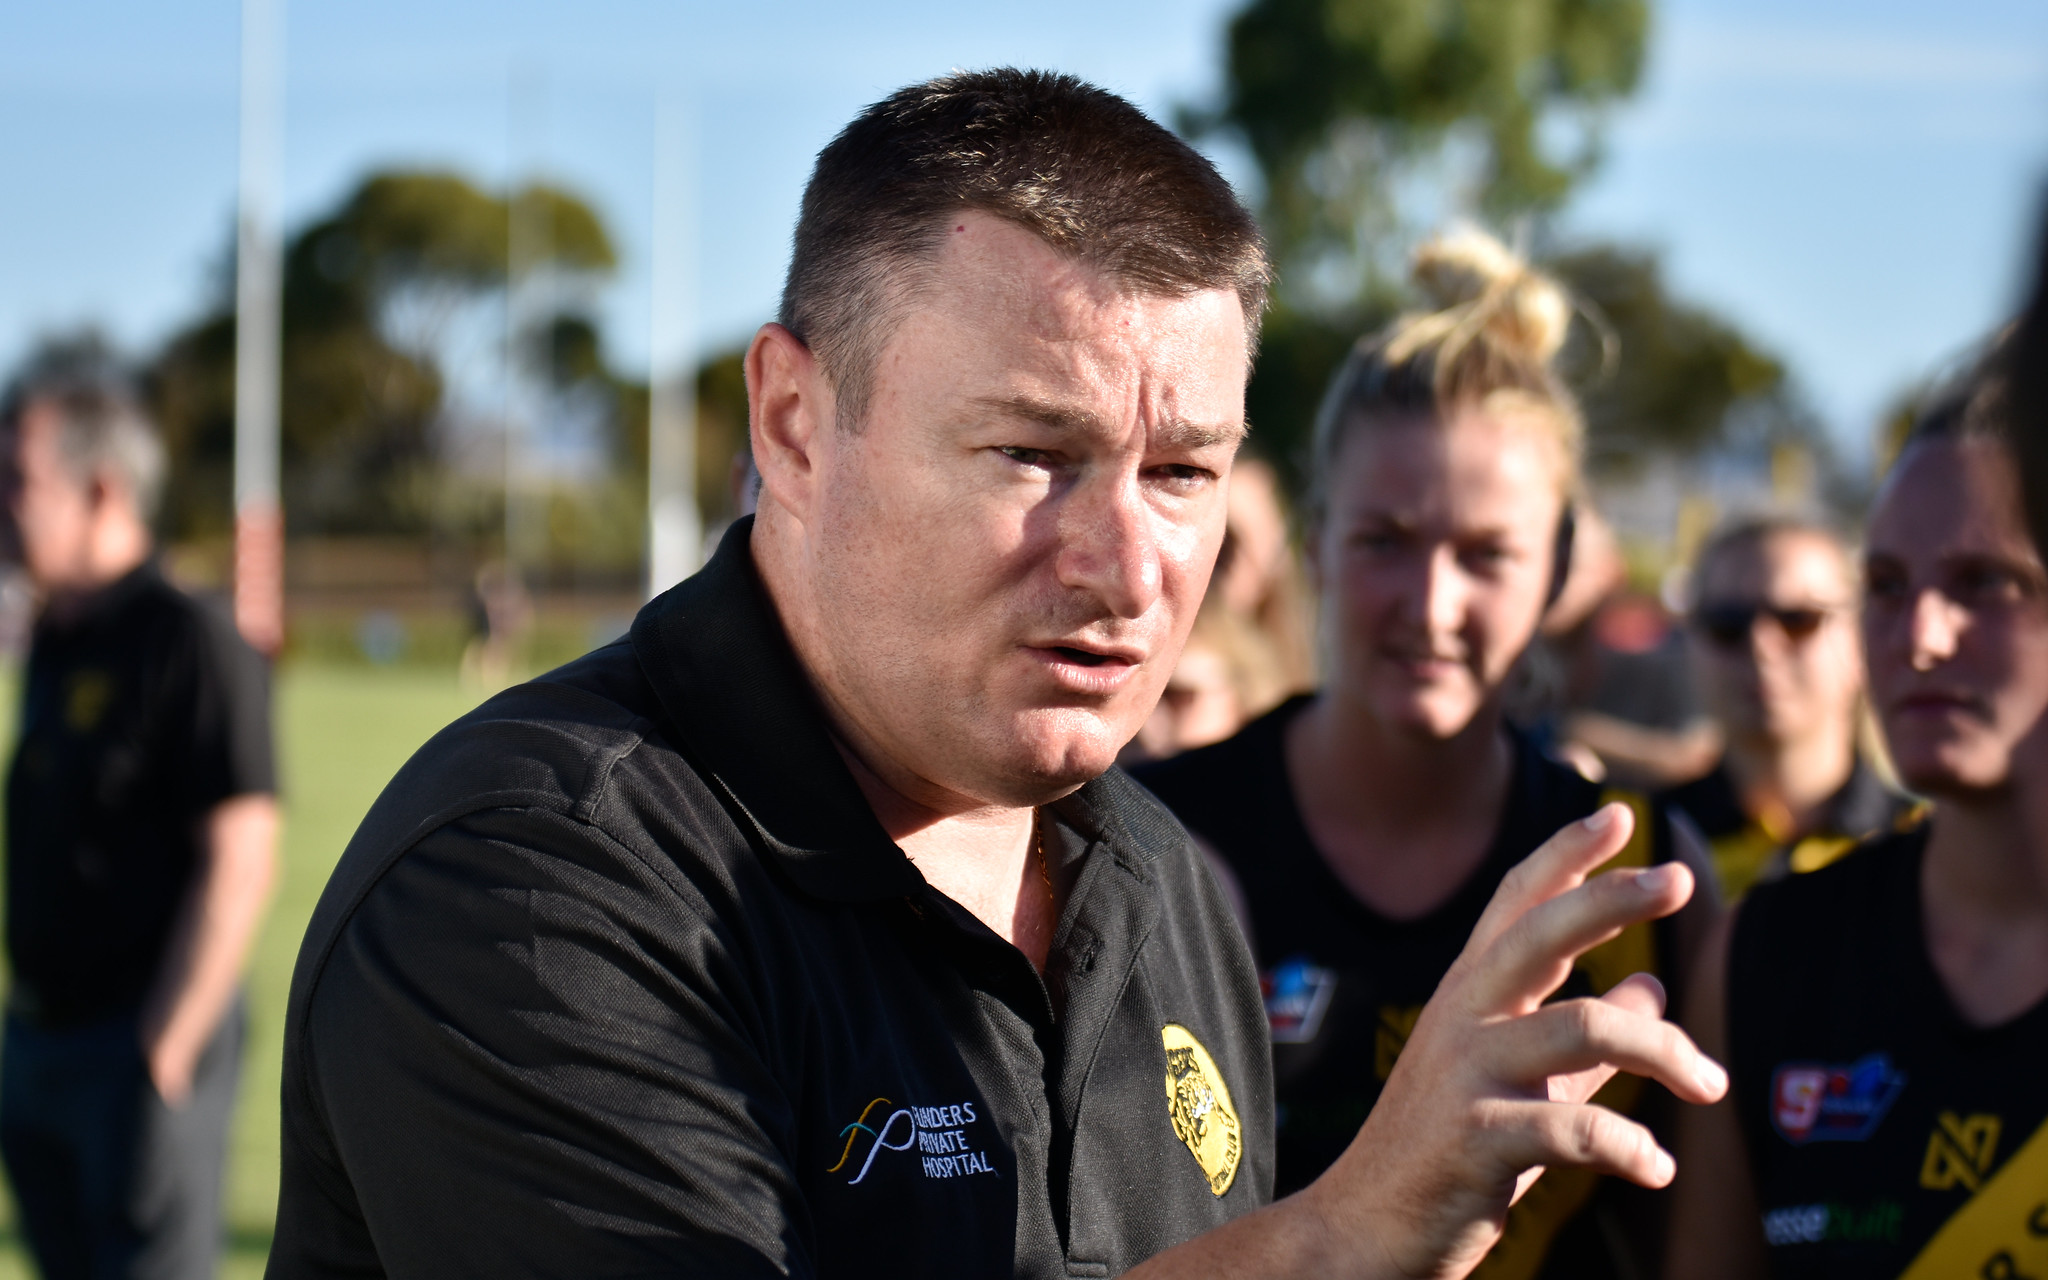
(675, 528)
(259, 268)
(528, 251)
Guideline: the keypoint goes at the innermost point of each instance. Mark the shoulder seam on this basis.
(598, 783)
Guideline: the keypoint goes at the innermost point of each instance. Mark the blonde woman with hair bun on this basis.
(1363, 827)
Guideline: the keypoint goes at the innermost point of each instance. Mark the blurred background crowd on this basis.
(517, 245)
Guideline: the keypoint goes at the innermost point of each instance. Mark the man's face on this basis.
(1006, 556)
(1776, 633)
(1435, 562)
(52, 508)
(1955, 626)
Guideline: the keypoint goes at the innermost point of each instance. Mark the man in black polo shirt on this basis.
(809, 930)
(140, 836)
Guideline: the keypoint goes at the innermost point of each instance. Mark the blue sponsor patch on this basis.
(1297, 995)
(1815, 1102)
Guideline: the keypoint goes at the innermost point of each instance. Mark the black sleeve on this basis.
(227, 747)
(528, 1054)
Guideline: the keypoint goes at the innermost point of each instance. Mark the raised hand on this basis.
(1491, 1087)
(1493, 1083)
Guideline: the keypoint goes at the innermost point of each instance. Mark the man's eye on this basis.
(1183, 475)
(1019, 454)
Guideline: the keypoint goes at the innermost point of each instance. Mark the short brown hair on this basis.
(1075, 165)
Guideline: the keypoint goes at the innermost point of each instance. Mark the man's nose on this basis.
(1934, 627)
(1108, 546)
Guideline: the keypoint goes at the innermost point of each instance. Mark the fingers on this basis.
(1560, 863)
(1522, 1135)
(1534, 955)
(1580, 1035)
(1639, 993)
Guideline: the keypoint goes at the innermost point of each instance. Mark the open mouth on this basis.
(1089, 671)
(1081, 657)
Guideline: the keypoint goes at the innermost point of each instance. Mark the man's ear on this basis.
(789, 406)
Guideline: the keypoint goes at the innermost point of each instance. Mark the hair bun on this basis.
(1479, 285)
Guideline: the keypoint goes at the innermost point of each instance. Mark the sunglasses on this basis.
(1729, 625)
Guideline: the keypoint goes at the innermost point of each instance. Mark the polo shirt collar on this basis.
(97, 606)
(741, 708)
(1864, 805)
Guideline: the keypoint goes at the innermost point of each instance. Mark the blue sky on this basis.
(1854, 182)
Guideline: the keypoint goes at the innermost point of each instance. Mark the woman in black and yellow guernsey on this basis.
(1885, 1019)
(1364, 827)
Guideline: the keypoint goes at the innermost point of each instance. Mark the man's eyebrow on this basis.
(1174, 433)
(1179, 433)
(1057, 416)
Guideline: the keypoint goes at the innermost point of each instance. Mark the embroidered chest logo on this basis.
(1959, 1152)
(86, 697)
(1198, 1101)
(1813, 1102)
(1297, 995)
(938, 1134)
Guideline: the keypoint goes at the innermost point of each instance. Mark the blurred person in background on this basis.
(500, 620)
(1886, 1017)
(141, 834)
(1633, 704)
(1258, 578)
(1251, 645)
(1363, 827)
(1228, 673)
(1558, 664)
(1605, 687)
(1774, 625)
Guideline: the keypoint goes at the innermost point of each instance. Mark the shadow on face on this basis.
(1955, 624)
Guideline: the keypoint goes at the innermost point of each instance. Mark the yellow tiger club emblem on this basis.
(87, 695)
(1199, 1102)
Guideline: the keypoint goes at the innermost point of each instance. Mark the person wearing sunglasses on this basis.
(1885, 1018)
(1774, 629)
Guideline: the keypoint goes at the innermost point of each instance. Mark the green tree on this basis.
(372, 291)
(1372, 120)
(1678, 374)
(1342, 101)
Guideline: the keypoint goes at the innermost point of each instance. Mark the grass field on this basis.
(343, 731)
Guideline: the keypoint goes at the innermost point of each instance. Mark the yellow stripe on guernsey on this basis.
(1739, 859)
(1542, 1212)
(2002, 1231)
